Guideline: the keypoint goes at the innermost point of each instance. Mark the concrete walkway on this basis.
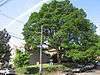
(95, 72)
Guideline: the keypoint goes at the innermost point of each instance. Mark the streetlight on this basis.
(40, 68)
(42, 46)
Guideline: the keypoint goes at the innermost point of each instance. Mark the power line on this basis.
(16, 37)
(12, 18)
(13, 35)
(3, 2)
(10, 32)
(3, 14)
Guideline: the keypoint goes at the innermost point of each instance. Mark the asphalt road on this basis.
(94, 72)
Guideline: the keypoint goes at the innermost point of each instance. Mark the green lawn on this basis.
(34, 69)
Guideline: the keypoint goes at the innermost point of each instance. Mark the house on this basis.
(35, 58)
(46, 55)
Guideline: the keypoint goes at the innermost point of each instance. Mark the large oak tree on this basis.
(64, 26)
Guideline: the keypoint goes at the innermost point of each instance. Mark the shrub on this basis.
(80, 56)
(53, 68)
(98, 52)
(21, 58)
(27, 70)
(34, 70)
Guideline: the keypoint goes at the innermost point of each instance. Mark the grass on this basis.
(34, 69)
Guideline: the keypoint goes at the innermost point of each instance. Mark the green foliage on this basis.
(64, 26)
(35, 70)
(81, 56)
(98, 47)
(98, 52)
(53, 68)
(28, 70)
(4, 46)
(21, 58)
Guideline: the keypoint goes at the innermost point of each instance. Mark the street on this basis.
(95, 72)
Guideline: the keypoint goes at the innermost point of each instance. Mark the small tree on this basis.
(4, 47)
(21, 58)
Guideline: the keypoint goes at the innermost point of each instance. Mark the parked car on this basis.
(83, 68)
(97, 63)
(89, 66)
(7, 71)
(78, 68)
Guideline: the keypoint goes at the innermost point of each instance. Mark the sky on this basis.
(15, 13)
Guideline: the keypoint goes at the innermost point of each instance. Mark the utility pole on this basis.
(40, 68)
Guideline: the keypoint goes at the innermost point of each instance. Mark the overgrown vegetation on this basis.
(27, 70)
(35, 69)
(21, 58)
(81, 56)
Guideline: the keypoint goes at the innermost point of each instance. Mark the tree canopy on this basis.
(4, 46)
(65, 27)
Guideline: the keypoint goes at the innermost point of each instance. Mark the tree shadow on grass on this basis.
(32, 70)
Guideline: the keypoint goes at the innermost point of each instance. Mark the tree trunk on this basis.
(58, 55)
